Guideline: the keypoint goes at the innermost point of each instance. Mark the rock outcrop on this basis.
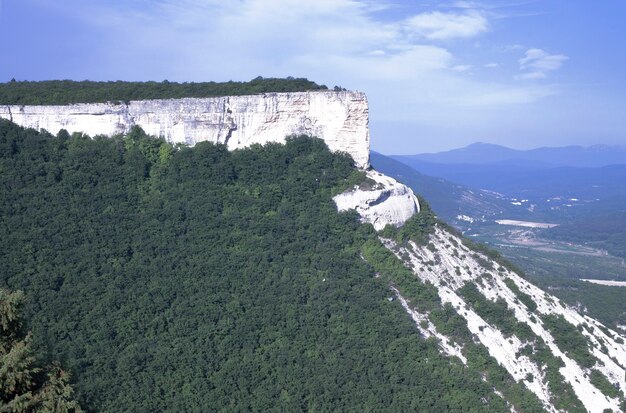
(340, 118)
(385, 202)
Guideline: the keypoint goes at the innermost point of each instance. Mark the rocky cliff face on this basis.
(340, 118)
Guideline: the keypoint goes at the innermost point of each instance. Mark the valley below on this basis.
(542, 256)
(557, 229)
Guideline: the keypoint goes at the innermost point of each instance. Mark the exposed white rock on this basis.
(609, 283)
(526, 224)
(386, 202)
(339, 118)
(465, 218)
(428, 329)
(451, 264)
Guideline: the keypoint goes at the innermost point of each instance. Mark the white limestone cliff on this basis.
(339, 118)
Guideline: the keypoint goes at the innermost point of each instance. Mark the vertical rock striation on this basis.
(339, 118)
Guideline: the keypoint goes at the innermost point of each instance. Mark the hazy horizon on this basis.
(438, 75)
(620, 146)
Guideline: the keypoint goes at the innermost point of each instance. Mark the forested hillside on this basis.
(25, 384)
(63, 92)
(607, 231)
(196, 279)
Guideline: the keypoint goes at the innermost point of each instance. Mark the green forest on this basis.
(25, 384)
(63, 92)
(607, 231)
(196, 279)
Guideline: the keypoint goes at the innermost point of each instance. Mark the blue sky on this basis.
(438, 74)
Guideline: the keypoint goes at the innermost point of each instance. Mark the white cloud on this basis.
(461, 68)
(491, 65)
(537, 63)
(445, 26)
(462, 4)
(407, 74)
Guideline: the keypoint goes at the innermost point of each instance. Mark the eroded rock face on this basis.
(387, 202)
(339, 118)
(448, 265)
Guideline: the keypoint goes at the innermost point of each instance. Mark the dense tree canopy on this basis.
(197, 279)
(63, 92)
(25, 386)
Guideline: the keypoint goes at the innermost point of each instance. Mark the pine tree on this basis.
(25, 387)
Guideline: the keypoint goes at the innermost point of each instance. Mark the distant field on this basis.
(541, 257)
(526, 224)
(606, 282)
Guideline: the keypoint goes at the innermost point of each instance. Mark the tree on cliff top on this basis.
(63, 92)
(24, 387)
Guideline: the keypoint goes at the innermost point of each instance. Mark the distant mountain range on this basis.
(530, 182)
(486, 153)
(583, 189)
(562, 183)
(447, 199)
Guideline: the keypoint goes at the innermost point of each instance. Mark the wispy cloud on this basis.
(537, 63)
(445, 26)
(461, 68)
(463, 4)
(409, 60)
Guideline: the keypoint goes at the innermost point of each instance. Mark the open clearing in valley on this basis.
(606, 282)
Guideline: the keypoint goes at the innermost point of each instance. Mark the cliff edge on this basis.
(339, 118)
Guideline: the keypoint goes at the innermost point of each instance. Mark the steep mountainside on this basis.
(181, 280)
(554, 351)
(175, 278)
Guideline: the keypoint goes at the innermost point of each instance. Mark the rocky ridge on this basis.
(339, 117)
(449, 265)
(385, 202)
